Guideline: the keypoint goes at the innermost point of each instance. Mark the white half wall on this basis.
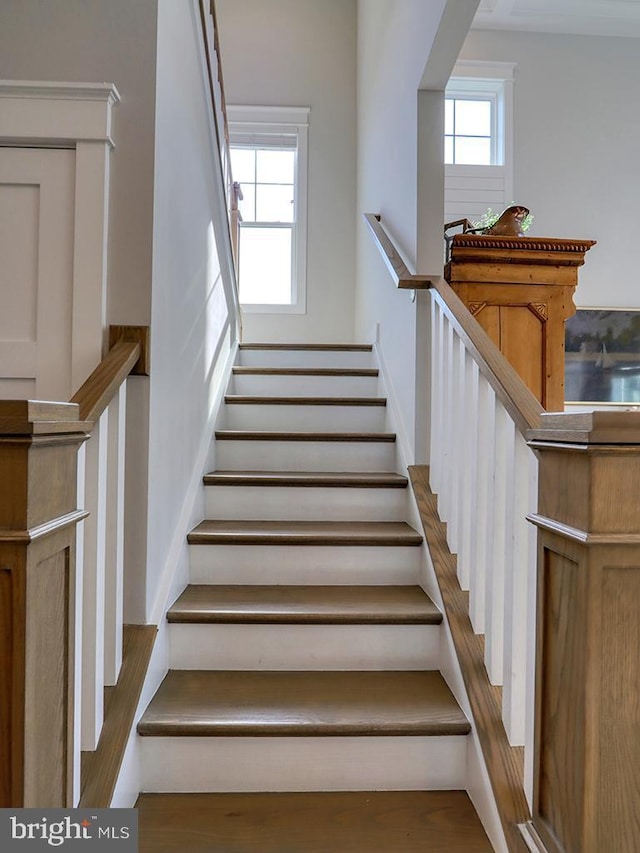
(191, 332)
(576, 140)
(403, 46)
(302, 53)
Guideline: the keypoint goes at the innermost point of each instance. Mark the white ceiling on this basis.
(581, 17)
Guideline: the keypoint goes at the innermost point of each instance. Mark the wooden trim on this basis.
(308, 347)
(323, 533)
(305, 371)
(250, 400)
(100, 768)
(36, 417)
(98, 390)
(247, 435)
(521, 404)
(134, 334)
(402, 277)
(531, 838)
(23, 537)
(504, 762)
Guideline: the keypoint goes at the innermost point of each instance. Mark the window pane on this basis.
(448, 149)
(275, 167)
(448, 116)
(274, 203)
(243, 164)
(247, 206)
(473, 118)
(473, 152)
(265, 266)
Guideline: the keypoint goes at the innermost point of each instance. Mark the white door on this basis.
(37, 189)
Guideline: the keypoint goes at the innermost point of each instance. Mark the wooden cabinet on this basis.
(520, 290)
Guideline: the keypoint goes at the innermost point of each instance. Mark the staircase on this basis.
(304, 655)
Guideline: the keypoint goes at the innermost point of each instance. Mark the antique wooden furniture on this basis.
(520, 290)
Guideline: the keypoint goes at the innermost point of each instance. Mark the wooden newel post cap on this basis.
(37, 417)
(587, 428)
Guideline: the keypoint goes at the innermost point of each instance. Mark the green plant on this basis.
(489, 218)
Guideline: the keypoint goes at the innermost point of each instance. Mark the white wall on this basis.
(190, 328)
(395, 41)
(93, 41)
(302, 53)
(577, 136)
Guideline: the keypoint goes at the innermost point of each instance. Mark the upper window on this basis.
(269, 161)
(478, 139)
(470, 130)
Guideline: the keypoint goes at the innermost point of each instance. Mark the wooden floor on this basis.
(355, 822)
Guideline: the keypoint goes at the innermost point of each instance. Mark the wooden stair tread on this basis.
(273, 703)
(271, 435)
(317, 479)
(241, 370)
(344, 822)
(308, 347)
(231, 532)
(331, 605)
(255, 400)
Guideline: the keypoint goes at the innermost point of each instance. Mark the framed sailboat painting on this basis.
(602, 356)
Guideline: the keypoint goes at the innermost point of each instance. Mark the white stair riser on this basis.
(297, 503)
(305, 386)
(306, 456)
(219, 764)
(304, 358)
(304, 647)
(304, 564)
(303, 418)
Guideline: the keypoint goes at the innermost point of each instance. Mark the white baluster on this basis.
(93, 585)
(444, 493)
(502, 552)
(532, 587)
(483, 502)
(437, 337)
(467, 555)
(114, 567)
(456, 456)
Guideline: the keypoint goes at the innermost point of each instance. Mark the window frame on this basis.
(278, 127)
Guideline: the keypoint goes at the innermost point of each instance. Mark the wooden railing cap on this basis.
(39, 417)
(596, 427)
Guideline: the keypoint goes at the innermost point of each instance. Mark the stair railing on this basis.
(100, 556)
(541, 513)
(61, 582)
(233, 192)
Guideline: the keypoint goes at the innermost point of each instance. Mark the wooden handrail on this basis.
(523, 407)
(402, 277)
(98, 390)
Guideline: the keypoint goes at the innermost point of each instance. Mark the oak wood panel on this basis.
(618, 792)
(560, 718)
(230, 703)
(402, 277)
(520, 330)
(100, 768)
(351, 822)
(344, 605)
(309, 479)
(504, 763)
(379, 533)
(308, 347)
(48, 685)
(11, 684)
(98, 390)
(239, 370)
(253, 435)
(523, 407)
(249, 400)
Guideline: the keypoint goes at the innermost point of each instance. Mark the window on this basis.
(478, 139)
(469, 131)
(269, 161)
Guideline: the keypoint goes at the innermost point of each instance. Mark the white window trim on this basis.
(494, 79)
(285, 121)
